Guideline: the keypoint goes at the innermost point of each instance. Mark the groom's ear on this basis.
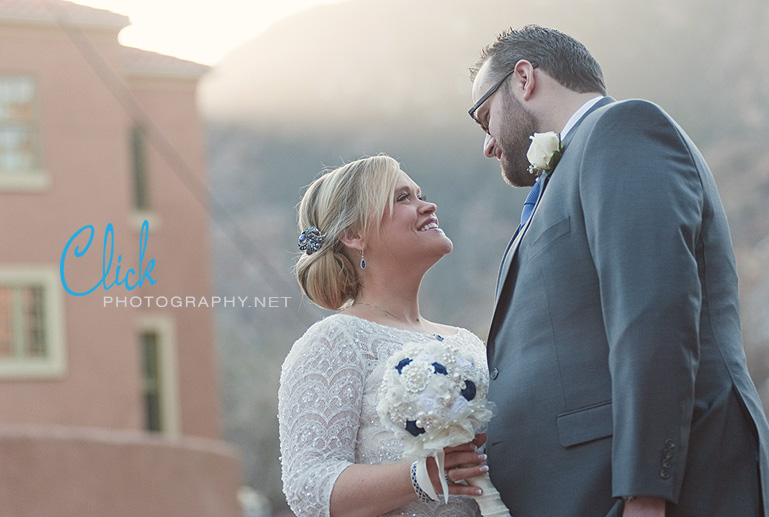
(524, 80)
(352, 238)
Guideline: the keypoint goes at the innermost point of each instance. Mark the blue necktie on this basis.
(531, 201)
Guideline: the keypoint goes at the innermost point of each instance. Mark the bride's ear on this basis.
(352, 239)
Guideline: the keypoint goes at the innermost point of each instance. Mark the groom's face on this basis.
(509, 127)
(512, 137)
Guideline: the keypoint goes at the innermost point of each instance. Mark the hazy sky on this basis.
(198, 30)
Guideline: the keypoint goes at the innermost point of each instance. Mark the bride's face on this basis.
(410, 232)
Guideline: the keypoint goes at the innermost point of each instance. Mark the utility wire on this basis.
(200, 191)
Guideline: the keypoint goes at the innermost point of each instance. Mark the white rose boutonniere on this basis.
(544, 152)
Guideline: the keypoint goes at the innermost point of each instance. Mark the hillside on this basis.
(367, 76)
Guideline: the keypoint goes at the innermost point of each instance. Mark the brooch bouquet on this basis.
(544, 152)
(434, 396)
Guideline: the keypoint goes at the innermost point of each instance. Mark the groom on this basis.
(615, 352)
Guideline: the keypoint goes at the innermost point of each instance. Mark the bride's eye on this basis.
(422, 197)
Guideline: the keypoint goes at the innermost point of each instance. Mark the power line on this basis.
(199, 190)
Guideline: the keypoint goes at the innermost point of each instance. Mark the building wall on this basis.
(179, 240)
(116, 474)
(86, 138)
(86, 156)
(73, 442)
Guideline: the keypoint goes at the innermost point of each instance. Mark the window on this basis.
(31, 324)
(159, 393)
(152, 380)
(20, 149)
(141, 183)
(138, 148)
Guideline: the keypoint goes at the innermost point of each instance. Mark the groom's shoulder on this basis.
(630, 111)
(622, 119)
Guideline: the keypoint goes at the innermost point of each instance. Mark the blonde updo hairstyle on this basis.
(353, 197)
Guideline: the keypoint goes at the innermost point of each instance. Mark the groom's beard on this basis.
(518, 125)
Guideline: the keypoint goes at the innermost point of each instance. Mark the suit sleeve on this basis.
(643, 200)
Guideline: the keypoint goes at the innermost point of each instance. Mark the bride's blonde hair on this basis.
(353, 197)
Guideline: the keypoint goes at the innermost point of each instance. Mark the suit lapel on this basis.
(512, 247)
(504, 287)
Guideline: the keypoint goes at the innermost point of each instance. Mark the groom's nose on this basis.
(488, 146)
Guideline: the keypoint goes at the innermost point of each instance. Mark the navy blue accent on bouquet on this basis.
(469, 391)
(411, 427)
(402, 364)
(439, 368)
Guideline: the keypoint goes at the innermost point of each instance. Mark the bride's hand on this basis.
(462, 462)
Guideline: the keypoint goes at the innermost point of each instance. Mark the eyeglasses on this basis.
(486, 96)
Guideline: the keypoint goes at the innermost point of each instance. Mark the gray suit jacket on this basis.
(615, 349)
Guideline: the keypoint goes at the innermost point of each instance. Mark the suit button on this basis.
(494, 373)
(670, 444)
(665, 474)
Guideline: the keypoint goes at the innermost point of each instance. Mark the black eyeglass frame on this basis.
(486, 97)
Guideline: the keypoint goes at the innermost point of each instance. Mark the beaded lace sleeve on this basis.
(319, 406)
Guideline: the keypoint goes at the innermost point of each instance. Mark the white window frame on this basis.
(140, 175)
(54, 364)
(165, 328)
(33, 180)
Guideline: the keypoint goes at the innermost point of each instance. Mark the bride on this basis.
(368, 237)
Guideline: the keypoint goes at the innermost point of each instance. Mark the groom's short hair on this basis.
(559, 55)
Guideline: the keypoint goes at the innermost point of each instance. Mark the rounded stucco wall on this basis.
(55, 471)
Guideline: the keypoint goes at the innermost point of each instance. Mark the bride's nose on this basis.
(428, 207)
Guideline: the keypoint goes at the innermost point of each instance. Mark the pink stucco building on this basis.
(108, 400)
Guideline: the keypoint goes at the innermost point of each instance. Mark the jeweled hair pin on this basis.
(311, 240)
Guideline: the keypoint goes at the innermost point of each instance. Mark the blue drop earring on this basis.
(362, 260)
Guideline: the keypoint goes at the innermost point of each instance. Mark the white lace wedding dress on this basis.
(327, 401)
